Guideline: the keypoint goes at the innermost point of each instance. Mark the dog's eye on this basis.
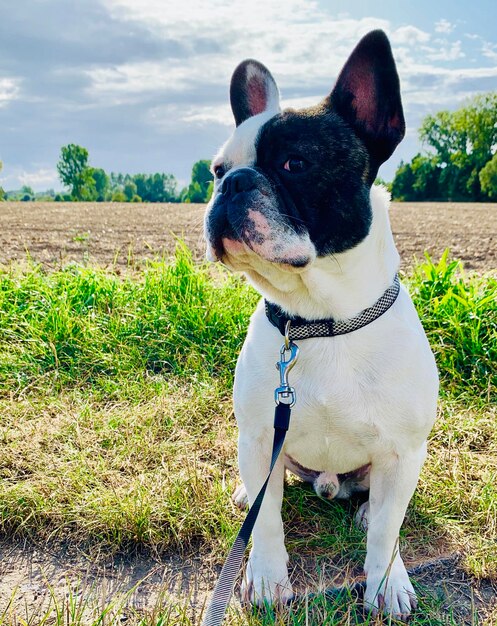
(219, 170)
(295, 165)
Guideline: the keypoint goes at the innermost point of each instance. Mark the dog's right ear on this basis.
(253, 90)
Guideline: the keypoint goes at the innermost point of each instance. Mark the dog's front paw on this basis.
(266, 580)
(390, 592)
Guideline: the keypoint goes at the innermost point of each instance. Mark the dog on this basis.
(294, 208)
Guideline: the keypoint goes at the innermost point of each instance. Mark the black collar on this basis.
(301, 328)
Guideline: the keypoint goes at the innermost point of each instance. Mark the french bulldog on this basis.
(294, 208)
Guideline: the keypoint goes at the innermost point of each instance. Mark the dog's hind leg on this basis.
(240, 497)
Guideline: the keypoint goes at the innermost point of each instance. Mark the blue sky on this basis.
(143, 84)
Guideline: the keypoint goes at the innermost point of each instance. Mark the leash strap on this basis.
(224, 588)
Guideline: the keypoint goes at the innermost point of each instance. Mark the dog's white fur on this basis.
(368, 397)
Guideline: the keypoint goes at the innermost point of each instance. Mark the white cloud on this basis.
(167, 117)
(304, 46)
(173, 117)
(43, 177)
(444, 26)
(446, 51)
(409, 36)
(155, 74)
(9, 90)
(132, 79)
(489, 50)
(301, 44)
(39, 179)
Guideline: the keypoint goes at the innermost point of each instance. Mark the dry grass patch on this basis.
(155, 473)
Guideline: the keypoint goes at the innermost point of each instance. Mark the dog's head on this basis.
(294, 185)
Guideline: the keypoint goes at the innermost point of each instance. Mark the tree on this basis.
(130, 190)
(118, 196)
(101, 183)
(460, 145)
(201, 174)
(201, 186)
(75, 173)
(193, 193)
(418, 180)
(27, 193)
(488, 178)
(463, 142)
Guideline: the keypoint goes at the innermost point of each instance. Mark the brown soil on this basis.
(38, 581)
(115, 233)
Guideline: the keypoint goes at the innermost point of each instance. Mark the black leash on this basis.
(224, 587)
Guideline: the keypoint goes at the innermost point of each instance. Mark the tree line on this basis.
(92, 184)
(460, 162)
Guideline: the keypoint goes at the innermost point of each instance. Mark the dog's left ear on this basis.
(253, 90)
(367, 96)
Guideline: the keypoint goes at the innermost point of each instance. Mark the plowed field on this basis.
(113, 233)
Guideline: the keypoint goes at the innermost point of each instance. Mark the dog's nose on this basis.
(239, 181)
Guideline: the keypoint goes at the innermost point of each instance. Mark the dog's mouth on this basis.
(260, 236)
(241, 255)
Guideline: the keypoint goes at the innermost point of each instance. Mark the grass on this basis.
(79, 608)
(116, 427)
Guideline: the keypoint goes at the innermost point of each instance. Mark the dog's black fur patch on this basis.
(330, 198)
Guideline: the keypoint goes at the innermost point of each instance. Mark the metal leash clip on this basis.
(284, 393)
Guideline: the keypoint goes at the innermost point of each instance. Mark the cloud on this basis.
(41, 178)
(489, 50)
(44, 177)
(299, 49)
(409, 36)
(143, 84)
(444, 26)
(9, 90)
(446, 51)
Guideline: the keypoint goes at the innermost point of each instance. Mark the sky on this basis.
(143, 84)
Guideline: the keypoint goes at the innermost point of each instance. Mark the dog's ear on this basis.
(253, 90)
(367, 96)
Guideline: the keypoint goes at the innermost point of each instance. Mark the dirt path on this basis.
(34, 580)
(116, 233)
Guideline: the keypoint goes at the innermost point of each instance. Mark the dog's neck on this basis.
(342, 285)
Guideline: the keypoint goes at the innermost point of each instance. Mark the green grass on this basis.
(116, 427)
(459, 314)
(78, 608)
(81, 327)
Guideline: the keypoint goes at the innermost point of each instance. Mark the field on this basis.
(120, 233)
(117, 436)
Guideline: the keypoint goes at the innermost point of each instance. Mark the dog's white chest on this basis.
(353, 392)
